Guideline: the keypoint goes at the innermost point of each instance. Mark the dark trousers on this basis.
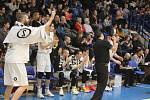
(73, 77)
(129, 76)
(61, 79)
(102, 77)
(85, 76)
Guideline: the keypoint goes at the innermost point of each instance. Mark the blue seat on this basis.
(53, 78)
(2, 87)
(1, 76)
(31, 73)
(133, 63)
(1, 72)
(138, 71)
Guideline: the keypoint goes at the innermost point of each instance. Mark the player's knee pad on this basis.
(40, 75)
(86, 72)
(73, 75)
(61, 75)
(94, 75)
(48, 75)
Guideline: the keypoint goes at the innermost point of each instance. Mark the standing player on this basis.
(18, 39)
(44, 63)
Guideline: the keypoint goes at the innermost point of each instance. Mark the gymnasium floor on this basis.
(140, 92)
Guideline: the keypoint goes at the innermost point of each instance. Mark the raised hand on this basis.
(53, 13)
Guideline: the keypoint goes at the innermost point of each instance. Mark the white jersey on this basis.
(20, 34)
(82, 67)
(17, 53)
(19, 38)
(49, 39)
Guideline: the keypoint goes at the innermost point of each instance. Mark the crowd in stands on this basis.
(75, 27)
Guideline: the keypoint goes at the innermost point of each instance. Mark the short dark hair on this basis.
(98, 34)
(64, 49)
(139, 49)
(77, 52)
(84, 47)
(4, 23)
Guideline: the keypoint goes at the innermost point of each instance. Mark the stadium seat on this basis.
(137, 71)
(31, 72)
(31, 77)
(132, 63)
(2, 87)
(1, 76)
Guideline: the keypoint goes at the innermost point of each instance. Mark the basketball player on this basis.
(18, 39)
(44, 63)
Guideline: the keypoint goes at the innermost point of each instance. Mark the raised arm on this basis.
(50, 19)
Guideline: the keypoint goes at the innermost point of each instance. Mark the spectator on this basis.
(93, 17)
(126, 45)
(107, 22)
(56, 21)
(59, 9)
(138, 56)
(63, 28)
(86, 14)
(2, 15)
(36, 19)
(136, 42)
(13, 4)
(79, 27)
(126, 12)
(146, 56)
(87, 26)
(3, 33)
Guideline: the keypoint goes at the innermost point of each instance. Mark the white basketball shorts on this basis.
(43, 62)
(15, 74)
